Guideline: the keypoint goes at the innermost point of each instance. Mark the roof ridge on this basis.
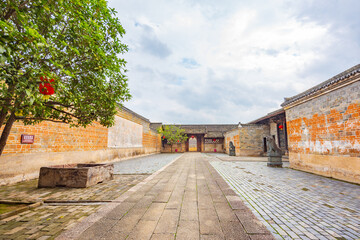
(337, 78)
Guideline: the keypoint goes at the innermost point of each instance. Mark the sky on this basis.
(231, 61)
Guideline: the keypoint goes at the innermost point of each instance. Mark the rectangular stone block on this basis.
(76, 175)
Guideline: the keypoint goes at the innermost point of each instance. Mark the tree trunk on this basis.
(6, 132)
(7, 103)
(3, 115)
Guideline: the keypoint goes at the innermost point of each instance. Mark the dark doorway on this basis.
(265, 145)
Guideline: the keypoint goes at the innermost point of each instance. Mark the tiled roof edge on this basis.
(346, 74)
(122, 107)
(269, 115)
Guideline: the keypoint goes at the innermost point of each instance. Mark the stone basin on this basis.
(75, 175)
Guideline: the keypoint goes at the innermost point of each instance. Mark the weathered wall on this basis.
(57, 144)
(252, 139)
(324, 134)
(279, 135)
(248, 139)
(177, 147)
(274, 132)
(214, 146)
(125, 133)
(232, 136)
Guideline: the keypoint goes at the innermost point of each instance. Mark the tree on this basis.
(59, 61)
(172, 134)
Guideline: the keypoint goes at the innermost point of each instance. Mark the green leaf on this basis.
(2, 49)
(28, 92)
(82, 54)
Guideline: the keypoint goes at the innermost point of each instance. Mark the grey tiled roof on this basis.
(322, 86)
(134, 113)
(211, 130)
(267, 116)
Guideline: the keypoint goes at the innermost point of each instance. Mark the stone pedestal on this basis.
(274, 161)
(76, 175)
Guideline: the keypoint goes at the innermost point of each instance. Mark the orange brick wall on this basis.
(56, 137)
(324, 134)
(59, 137)
(333, 133)
(152, 139)
(328, 125)
(57, 144)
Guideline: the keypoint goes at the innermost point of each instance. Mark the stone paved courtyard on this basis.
(294, 204)
(291, 204)
(50, 219)
(64, 207)
(101, 192)
(187, 200)
(144, 165)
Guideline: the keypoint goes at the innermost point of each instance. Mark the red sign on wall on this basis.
(27, 139)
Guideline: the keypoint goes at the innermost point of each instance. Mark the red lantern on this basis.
(214, 140)
(46, 88)
(178, 141)
(281, 127)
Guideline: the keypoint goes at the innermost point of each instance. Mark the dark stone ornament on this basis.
(274, 153)
(231, 149)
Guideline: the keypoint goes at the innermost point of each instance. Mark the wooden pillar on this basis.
(198, 143)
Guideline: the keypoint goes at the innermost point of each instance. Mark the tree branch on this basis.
(60, 104)
(62, 111)
(11, 11)
(42, 119)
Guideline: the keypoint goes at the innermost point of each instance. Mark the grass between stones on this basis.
(5, 207)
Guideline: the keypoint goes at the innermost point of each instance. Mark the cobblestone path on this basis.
(294, 204)
(50, 219)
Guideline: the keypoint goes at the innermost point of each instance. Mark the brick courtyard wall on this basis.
(215, 147)
(248, 139)
(279, 135)
(232, 136)
(57, 144)
(180, 147)
(324, 133)
(252, 139)
(55, 137)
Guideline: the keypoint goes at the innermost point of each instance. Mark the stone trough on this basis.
(75, 175)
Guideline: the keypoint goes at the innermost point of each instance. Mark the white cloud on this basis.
(225, 62)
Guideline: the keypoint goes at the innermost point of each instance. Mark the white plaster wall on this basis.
(125, 134)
